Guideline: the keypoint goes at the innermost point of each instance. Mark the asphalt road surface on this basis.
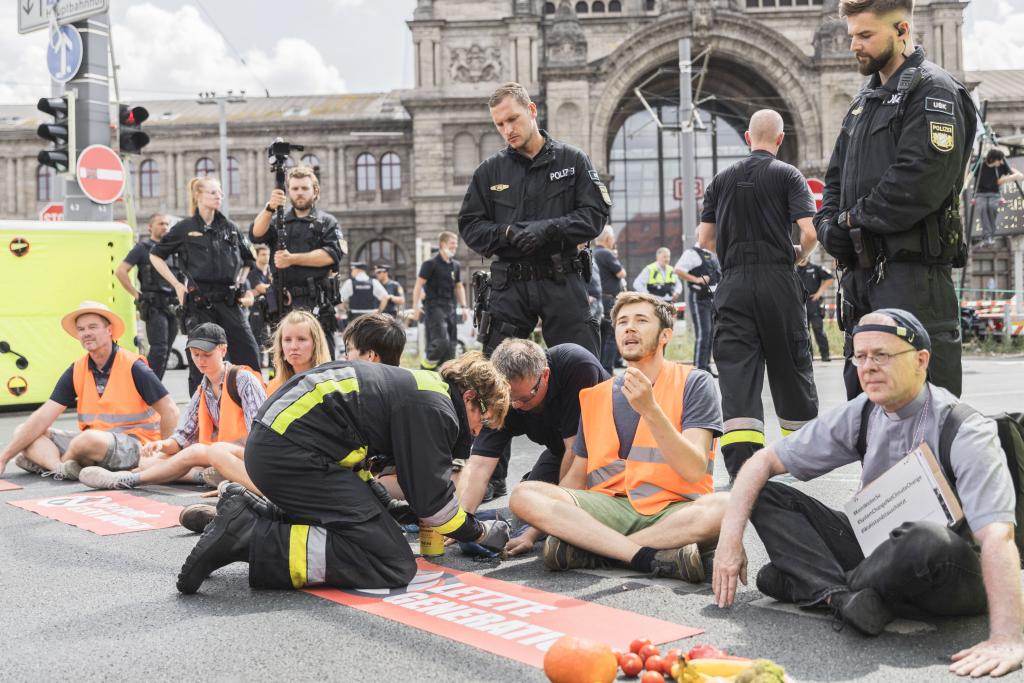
(74, 605)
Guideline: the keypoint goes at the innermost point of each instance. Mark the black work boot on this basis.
(224, 541)
(864, 610)
(259, 505)
(774, 583)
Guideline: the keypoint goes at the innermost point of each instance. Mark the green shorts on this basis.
(616, 512)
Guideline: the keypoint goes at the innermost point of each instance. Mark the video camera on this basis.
(278, 152)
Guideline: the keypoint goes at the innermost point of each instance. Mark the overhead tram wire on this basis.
(238, 54)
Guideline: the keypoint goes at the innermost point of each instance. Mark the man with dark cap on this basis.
(814, 556)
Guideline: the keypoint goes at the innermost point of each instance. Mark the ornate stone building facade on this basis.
(394, 166)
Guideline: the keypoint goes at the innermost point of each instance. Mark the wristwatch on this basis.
(843, 219)
(268, 209)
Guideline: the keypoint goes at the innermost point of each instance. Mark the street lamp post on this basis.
(221, 101)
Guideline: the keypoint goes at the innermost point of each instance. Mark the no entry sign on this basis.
(817, 191)
(52, 213)
(100, 174)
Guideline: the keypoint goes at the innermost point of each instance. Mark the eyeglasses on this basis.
(880, 359)
(533, 392)
(483, 411)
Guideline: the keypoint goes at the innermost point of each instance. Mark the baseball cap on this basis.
(360, 264)
(381, 267)
(907, 327)
(206, 337)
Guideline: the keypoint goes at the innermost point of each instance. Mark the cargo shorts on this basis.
(122, 452)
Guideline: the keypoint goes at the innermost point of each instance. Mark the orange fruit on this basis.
(578, 660)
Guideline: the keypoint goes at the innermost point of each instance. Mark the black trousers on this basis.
(546, 468)
(816, 322)
(921, 568)
(442, 335)
(161, 329)
(703, 329)
(928, 293)
(336, 533)
(761, 324)
(563, 309)
(609, 350)
(242, 349)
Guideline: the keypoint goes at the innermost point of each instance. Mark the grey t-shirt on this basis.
(702, 409)
(982, 479)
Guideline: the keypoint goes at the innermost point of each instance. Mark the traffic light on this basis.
(132, 137)
(61, 132)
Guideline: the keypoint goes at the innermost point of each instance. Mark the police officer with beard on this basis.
(303, 266)
(890, 212)
(155, 297)
(530, 205)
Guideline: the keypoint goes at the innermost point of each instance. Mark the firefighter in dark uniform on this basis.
(155, 298)
(216, 258)
(396, 295)
(816, 280)
(890, 213)
(307, 453)
(530, 205)
(440, 279)
(302, 269)
(749, 210)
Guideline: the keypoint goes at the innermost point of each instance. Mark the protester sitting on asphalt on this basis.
(120, 402)
(298, 344)
(545, 388)
(639, 490)
(322, 523)
(815, 558)
(214, 420)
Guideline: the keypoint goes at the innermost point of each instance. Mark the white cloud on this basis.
(24, 77)
(994, 35)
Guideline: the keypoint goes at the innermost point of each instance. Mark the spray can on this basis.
(431, 542)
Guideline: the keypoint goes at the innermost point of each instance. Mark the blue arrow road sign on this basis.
(64, 53)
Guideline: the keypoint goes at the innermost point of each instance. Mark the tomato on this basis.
(618, 657)
(652, 677)
(648, 650)
(635, 646)
(631, 664)
(705, 652)
(670, 658)
(654, 663)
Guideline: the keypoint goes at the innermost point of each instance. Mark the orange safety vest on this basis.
(120, 409)
(232, 427)
(645, 476)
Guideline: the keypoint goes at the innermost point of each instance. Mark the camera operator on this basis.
(306, 245)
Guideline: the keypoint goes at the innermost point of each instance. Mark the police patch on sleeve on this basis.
(604, 194)
(593, 176)
(941, 135)
(939, 105)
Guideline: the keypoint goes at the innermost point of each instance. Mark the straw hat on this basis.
(68, 321)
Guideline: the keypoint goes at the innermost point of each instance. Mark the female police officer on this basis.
(215, 257)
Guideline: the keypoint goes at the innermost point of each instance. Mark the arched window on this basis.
(390, 172)
(45, 183)
(466, 157)
(614, 6)
(382, 251)
(205, 167)
(549, 8)
(598, 6)
(149, 179)
(490, 143)
(311, 160)
(366, 173)
(582, 8)
(649, 5)
(234, 177)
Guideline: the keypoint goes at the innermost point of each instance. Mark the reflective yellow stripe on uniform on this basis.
(742, 436)
(428, 380)
(452, 524)
(311, 399)
(785, 432)
(297, 554)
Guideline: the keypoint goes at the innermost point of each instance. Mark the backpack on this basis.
(1010, 429)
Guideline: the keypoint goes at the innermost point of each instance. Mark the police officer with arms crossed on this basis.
(361, 293)
(816, 281)
(216, 257)
(303, 265)
(659, 278)
(749, 209)
(612, 282)
(396, 295)
(702, 272)
(530, 205)
(155, 297)
(890, 211)
(440, 278)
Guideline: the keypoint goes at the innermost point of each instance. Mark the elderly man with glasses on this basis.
(921, 567)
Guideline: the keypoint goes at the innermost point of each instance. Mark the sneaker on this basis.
(864, 610)
(560, 556)
(68, 470)
(774, 583)
(102, 478)
(224, 541)
(196, 517)
(24, 463)
(211, 477)
(680, 563)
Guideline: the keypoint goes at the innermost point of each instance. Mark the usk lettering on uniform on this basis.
(939, 105)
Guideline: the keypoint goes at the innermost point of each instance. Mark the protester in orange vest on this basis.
(639, 491)
(120, 402)
(214, 419)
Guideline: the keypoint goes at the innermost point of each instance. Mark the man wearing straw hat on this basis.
(120, 403)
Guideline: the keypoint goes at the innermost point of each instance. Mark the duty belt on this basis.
(227, 295)
(526, 270)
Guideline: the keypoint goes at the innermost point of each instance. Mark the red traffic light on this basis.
(132, 116)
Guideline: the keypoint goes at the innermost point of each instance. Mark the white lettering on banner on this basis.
(452, 602)
(104, 509)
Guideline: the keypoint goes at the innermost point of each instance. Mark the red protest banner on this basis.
(114, 512)
(509, 620)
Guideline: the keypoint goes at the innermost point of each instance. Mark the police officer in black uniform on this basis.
(890, 213)
(815, 280)
(612, 283)
(308, 452)
(440, 279)
(749, 210)
(396, 295)
(155, 298)
(361, 293)
(302, 266)
(216, 258)
(259, 282)
(701, 271)
(530, 205)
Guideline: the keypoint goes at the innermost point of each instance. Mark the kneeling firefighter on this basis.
(307, 452)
